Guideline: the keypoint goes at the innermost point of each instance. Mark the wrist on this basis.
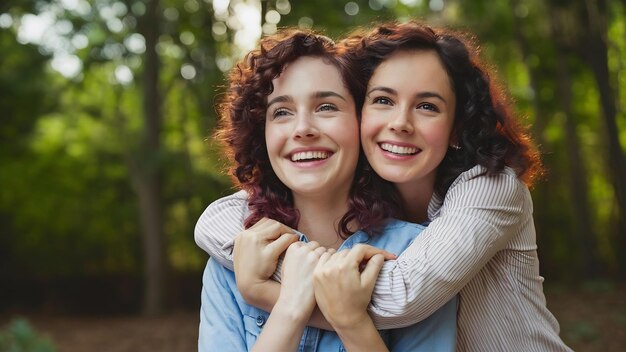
(262, 295)
(292, 311)
(358, 333)
(348, 322)
(250, 290)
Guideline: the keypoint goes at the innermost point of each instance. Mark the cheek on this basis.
(437, 136)
(368, 129)
(349, 137)
(273, 141)
(346, 136)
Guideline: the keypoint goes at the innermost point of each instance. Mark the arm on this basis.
(267, 296)
(479, 217)
(221, 323)
(343, 291)
(256, 254)
(295, 304)
(219, 224)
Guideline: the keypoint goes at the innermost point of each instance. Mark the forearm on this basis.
(470, 230)
(219, 224)
(318, 320)
(362, 336)
(266, 295)
(282, 332)
(426, 276)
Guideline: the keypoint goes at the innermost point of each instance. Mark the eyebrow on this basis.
(327, 94)
(420, 95)
(316, 95)
(280, 99)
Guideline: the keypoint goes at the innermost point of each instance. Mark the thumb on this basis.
(278, 246)
(371, 271)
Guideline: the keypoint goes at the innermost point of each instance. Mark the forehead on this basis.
(308, 74)
(411, 68)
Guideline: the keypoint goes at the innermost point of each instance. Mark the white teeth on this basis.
(396, 149)
(309, 155)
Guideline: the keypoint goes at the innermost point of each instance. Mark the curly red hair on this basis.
(242, 132)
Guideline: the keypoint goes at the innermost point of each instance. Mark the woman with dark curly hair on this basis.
(436, 125)
(290, 125)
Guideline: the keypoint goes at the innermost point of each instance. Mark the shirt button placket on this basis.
(260, 321)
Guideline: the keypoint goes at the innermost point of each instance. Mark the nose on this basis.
(401, 123)
(305, 127)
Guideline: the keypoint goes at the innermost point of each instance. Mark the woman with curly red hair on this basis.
(290, 125)
(436, 125)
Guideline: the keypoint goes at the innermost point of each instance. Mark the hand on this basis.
(256, 254)
(342, 290)
(296, 291)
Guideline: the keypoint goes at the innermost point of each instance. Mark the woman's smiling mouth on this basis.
(397, 149)
(306, 156)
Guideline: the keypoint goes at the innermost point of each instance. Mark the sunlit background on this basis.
(106, 162)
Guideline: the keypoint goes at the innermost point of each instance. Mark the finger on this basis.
(313, 245)
(271, 229)
(372, 268)
(320, 250)
(343, 253)
(364, 252)
(331, 250)
(281, 243)
(323, 259)
(259, 223)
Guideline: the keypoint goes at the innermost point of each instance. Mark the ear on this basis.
(454, 141)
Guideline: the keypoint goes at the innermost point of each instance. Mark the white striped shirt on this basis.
(480, 244)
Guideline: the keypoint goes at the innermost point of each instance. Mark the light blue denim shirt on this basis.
(228, 323)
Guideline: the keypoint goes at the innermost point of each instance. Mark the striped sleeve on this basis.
(218, 226)
(479, 217)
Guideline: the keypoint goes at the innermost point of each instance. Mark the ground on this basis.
(592, 318)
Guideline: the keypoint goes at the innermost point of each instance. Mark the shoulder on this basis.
(478, 175)
(395, 235)
(232, 208)
(236, 202)
(217, 274)
(474, 188)
(400, 225)
(220, 222)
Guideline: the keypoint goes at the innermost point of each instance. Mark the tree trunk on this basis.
(595, 50)
(541, 192)
(148, 171)
(584, 234)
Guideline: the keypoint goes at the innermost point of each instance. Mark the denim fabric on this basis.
(228, 323)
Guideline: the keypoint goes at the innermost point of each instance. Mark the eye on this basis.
(428, 106)
(280, 112)
(327, 107)
(382, 100)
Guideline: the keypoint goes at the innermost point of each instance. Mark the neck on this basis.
(415, 199)
(319, 217)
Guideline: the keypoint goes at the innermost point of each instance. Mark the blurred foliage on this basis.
(71, 102)
(19, 336)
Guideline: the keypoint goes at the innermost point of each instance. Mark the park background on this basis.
(106, 160)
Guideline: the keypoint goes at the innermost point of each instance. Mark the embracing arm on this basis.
(480, 215)
(218, 226)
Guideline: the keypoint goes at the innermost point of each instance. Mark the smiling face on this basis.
(407, 118)
(311, 129)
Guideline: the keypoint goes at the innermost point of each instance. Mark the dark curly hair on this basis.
(484, 125)
(242, 133)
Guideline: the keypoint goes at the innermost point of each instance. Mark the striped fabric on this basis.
(481, 244)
